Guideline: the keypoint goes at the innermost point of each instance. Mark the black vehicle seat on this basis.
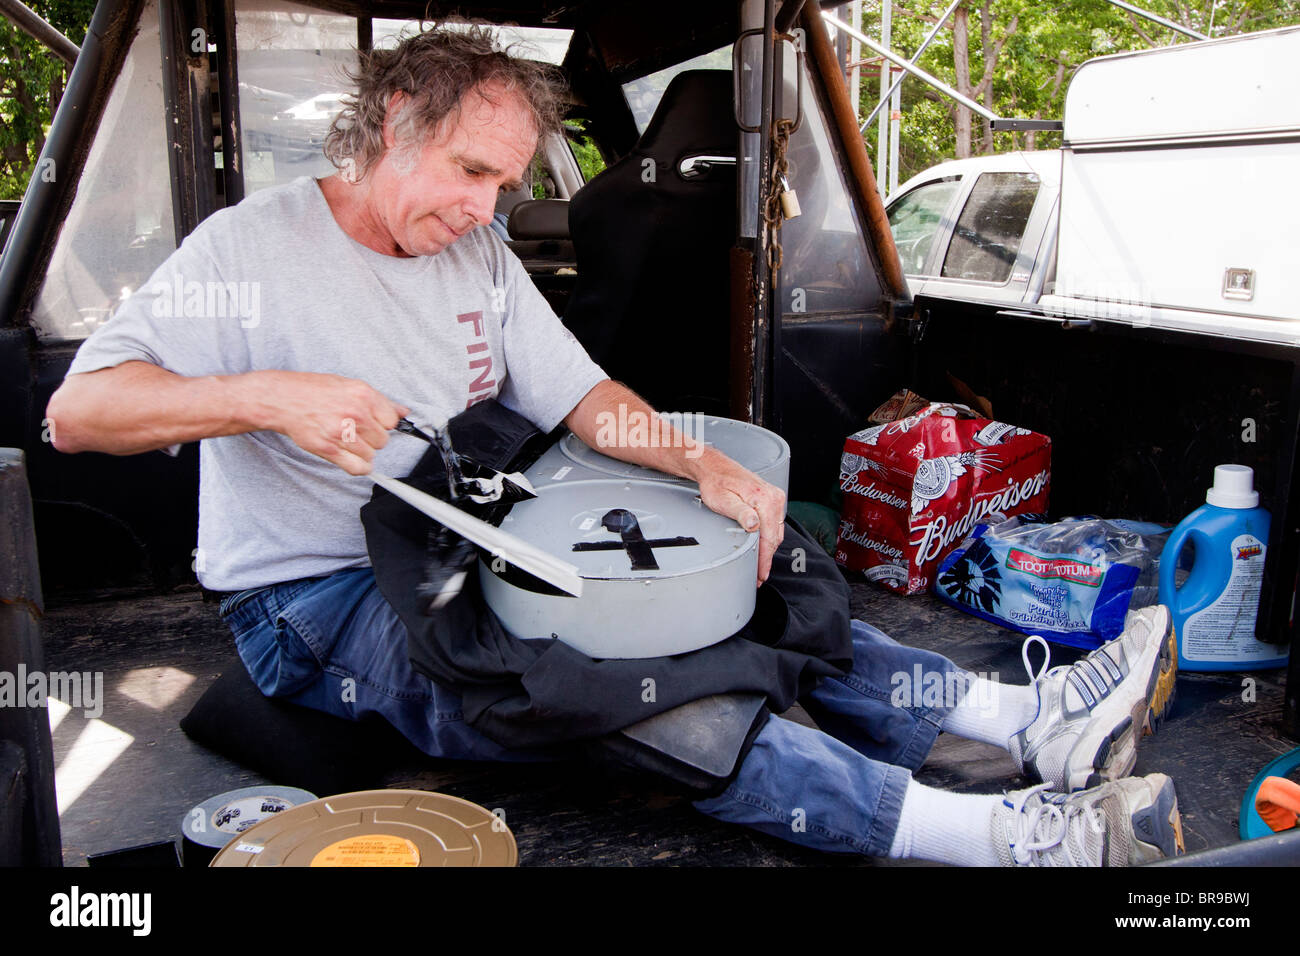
(651, 300)
(507, 202)
(538, 219)
(539, 236)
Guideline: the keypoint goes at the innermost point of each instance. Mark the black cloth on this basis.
(289, 744)
(529, 693)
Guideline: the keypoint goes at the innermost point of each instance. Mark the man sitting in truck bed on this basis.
(379, 295)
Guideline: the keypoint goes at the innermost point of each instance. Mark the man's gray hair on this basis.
(435, 69)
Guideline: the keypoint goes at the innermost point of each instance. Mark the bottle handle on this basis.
(1200, 570)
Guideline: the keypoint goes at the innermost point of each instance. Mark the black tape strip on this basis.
(678, 542)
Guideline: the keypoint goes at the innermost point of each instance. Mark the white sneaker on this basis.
(1124, 823)
(1090, 714)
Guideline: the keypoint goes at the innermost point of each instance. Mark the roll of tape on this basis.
(217, 820)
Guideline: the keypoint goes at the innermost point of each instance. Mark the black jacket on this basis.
(529, 693)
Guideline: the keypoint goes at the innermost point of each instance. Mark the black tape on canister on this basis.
(217, 820)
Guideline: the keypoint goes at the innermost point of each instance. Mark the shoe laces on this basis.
(1024, 657)
(1045, 827)
(1014, 744)
(1045, 670)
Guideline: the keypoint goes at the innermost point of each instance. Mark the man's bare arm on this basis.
(136, 407)
(725, 486)
(676, 458)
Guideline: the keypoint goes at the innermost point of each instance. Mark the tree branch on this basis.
(1137, 28)
(986, 29)
(1058, 79)
(991, 59)
(1055, 80)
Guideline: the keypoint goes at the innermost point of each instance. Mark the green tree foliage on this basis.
(1021, 55)
(585, 150)
(32, 80)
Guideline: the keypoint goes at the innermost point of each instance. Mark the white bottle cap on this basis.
(1234, 487)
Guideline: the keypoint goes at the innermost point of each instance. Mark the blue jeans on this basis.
(334, 644)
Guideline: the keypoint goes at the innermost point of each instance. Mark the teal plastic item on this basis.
(1214, 610)
(1249, 823)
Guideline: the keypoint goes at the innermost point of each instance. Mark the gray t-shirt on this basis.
(275, 283)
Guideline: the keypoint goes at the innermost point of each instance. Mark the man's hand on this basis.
(136, 407)
(342, 420)
(731, 490)
(725, 486)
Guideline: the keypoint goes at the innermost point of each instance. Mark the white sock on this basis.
(991, 712)
(946, 827)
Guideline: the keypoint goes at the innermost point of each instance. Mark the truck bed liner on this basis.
(150, 646)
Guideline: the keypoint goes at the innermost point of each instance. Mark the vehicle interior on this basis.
(676, 291)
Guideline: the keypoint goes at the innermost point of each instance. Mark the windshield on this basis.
(545, 44)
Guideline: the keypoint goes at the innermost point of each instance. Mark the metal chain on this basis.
(773, 215)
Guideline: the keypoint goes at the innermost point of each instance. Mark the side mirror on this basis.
(747, 74)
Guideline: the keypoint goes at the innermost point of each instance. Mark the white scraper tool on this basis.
(518, 552)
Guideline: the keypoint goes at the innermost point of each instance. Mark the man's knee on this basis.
(278, 660)
(287, 636)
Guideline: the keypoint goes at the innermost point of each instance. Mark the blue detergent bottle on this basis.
(1214, 610)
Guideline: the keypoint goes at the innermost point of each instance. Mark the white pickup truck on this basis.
(1171, 204)
(981, 228)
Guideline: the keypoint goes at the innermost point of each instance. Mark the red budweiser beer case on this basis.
(914, 488)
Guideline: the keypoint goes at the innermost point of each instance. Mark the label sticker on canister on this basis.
(372, 849)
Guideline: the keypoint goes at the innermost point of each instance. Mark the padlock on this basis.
(789, 200)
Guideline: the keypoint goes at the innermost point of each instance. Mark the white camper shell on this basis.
(1171, 204)
(1179, 193)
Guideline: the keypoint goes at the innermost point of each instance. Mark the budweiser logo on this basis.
(939, 535)
(1063, 568)
(854, 487)
(861, 539)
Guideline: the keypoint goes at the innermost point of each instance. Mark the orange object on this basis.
(1278, 803)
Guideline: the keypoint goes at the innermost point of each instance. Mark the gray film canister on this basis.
(217, 820)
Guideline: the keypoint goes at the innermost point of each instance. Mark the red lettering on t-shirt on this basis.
(482, 385)
(482, 382)
(476, 318)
